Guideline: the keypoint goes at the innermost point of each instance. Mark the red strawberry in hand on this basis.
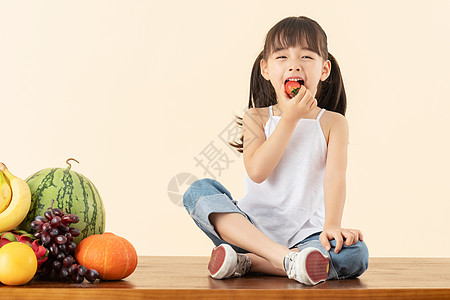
(292, 88)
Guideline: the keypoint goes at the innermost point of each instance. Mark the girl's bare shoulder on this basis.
(332, 117)
(328, 120)
(259, 115)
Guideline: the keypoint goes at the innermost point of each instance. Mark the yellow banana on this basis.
(5, 193)
(20, 202)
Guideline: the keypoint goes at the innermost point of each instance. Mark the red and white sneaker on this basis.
(226, 263)
(309, 266)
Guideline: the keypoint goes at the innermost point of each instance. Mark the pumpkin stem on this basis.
(67, 162)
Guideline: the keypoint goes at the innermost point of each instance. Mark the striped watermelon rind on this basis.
(70, 190)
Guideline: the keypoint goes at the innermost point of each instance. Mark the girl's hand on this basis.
(299, 106)
(351, 236)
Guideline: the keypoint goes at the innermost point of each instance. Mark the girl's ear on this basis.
(326, 70)
(264, 71)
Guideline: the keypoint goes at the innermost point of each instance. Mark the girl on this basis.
(295, 157)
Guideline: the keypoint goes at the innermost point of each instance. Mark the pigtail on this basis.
(331, 93)
(262, 94)
(239, 145)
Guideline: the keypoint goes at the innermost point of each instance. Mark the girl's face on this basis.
(295, 62)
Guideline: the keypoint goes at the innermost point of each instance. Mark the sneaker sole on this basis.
(222, 261)
(317, 266)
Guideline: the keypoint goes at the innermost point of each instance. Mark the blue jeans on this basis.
(206, 196)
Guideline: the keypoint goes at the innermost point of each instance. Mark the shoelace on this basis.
(291, 272)
(243, 265)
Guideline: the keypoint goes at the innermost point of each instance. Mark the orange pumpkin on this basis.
(112, 256)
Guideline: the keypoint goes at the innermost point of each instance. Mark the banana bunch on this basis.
(15, 199)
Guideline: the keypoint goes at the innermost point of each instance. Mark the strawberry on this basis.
(292, 88)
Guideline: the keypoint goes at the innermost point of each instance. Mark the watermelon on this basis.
(71, 191)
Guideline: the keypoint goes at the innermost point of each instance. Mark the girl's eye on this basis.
(285, 57)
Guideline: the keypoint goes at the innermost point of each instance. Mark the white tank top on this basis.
(289, 205)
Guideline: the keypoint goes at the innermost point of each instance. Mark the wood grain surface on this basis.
(175, 277)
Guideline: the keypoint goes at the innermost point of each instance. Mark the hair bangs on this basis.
(293, 32)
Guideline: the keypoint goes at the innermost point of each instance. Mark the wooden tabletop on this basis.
(187, 277)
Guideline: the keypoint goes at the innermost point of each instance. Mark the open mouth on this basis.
(295, 79)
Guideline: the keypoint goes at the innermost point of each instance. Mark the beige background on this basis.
(135, 90)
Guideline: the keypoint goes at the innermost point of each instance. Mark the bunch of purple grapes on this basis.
(54, 232)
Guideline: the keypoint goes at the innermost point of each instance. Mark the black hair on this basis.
(291, 32)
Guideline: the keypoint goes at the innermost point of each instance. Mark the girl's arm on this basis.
(334, 181)
(334, 185)
(261, 156)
